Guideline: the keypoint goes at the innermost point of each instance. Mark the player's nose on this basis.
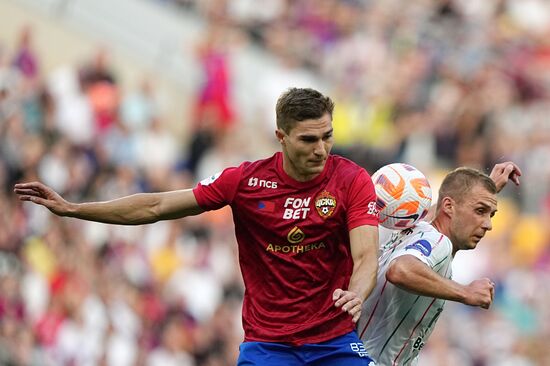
(487, 224)
(320, 149)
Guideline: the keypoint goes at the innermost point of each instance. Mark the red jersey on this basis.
(294, 247)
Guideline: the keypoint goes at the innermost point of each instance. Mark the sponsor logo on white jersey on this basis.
(253, 182)
(423, 246)
(210, 179)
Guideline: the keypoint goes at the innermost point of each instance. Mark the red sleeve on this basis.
(218, 190)
(362, 202)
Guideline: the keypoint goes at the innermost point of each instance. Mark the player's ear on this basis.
(447, 205)
(280, 135)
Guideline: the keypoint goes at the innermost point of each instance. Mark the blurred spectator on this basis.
(25, 59)
(72, 113)
(214, 113)
(157, 153)
(173, 343)
(97, 80)
(139, 107)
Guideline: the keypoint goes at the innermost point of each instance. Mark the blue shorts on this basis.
(344, 350)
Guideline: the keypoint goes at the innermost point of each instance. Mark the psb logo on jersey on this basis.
(295, 236)
(210, 179)
(253, 182)
(423, 246)
(325, 203)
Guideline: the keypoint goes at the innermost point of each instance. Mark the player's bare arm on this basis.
(137, 209)
(503, 172)
(411, 274)
(364, 250)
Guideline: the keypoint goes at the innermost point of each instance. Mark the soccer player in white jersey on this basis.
(414, 277)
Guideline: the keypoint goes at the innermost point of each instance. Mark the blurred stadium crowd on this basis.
(434, 83)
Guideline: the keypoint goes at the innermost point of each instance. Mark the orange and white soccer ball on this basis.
(404, 195)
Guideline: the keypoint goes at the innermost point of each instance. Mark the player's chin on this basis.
(474, 242)
(315, 171)
(316, 166)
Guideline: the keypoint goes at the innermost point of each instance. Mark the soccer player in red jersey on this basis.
(307, 229)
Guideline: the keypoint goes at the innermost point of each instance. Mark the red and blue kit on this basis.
(294, 248)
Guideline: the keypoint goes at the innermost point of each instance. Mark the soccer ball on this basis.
(403, 195)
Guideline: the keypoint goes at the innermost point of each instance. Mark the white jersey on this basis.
(394, 323)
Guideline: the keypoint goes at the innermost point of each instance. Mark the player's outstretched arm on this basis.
(410, 274)
(137, 209)
(503, 172)
(364, 250)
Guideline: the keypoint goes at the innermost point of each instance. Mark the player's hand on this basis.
(480, 293)
(43, 195)
(349, 302)
(503, 172)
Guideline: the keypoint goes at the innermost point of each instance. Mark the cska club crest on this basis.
(325, 203)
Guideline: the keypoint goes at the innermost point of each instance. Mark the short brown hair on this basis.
(300, 104)
(458, 184)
